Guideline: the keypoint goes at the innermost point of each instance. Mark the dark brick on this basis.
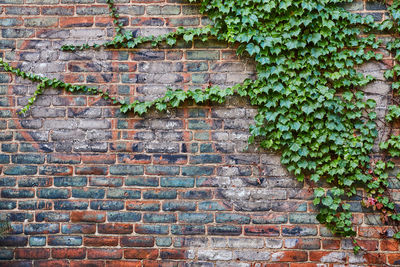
(52, 217)
(106, 205)
(179, 206)
(17, 193)
(177, 182)
(35, 205)
(55, 170)
(151, 229)
(78, 228)
(143, 205)
(159, 218)
(134, 241)
(34, 182)
(159, 194)
(162, 170)
(64, 240)
(123, 193)
(75, 181)
(88, 193)
(7, 204)
(188, 229)
(14, 241)
(196, 217)
(141, 181)
(53, 193)
(20, 170)
(229, 230)
(41, 228)
(126, 170)
(197, 170)
(123, 216)
(70, 205)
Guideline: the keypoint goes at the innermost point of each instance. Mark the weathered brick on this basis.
(75, 181)
(32, 253)
(37, 241)
(228, 230)
(159, 194)
(52, 217)
(141, 181)
(177, 182)
(159, 218)
(20, 170)
(123, 216)
(151, 229)
(41, 228)
(70, 205)
(104, 253)
(179, 206)
(106, 205)
(64, 240)
(115, 228)
(17, 193)
(68, 253)
(100, 241)
(126, 170)
(91, 193)
(78, 228)
(188, 229)
(133, 241)
(14, 241)
(53, 193)
(196, 217)
(141, 254)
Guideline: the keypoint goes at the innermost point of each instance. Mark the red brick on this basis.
(290, 256)
(262, 230)
(175, 254)
(79, 228)
(100, 241)
(123, 263)
(137, 241)
(98, 159)
(90, 170)
(163, 263)
(52, 263)
(372, 232)
(68, 253)
(330, 244)
(389, 245)
(104, 253)
(69, 22)
(115, 228)
(32, 253)
(88, 216)
(317, 255)
(149, 254)
(394, 259)
(369, 245)
(87, 263)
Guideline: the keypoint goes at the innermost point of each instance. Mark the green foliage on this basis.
(306, 91)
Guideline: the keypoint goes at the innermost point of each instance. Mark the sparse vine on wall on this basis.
(307, 91)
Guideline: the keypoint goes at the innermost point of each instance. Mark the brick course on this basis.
(84, 185)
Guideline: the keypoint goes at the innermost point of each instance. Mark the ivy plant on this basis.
(307, 92)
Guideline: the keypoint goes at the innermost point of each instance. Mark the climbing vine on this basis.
(307, 91)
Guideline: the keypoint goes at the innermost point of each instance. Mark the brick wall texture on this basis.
(84, 185)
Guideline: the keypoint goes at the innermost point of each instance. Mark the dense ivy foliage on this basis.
(307, 91)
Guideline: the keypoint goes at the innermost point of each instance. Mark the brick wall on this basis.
(84, 185)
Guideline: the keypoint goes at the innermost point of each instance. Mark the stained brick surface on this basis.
(84, 185)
